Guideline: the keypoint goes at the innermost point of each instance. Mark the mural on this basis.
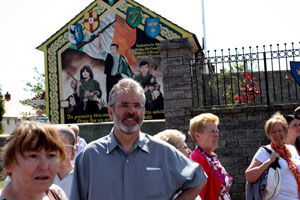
(108, 41)
(103, 51)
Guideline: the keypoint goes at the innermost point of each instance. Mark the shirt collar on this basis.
(142, 142)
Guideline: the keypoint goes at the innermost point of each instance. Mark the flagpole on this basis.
(204, 30)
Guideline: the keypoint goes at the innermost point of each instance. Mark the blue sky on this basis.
(229, 24)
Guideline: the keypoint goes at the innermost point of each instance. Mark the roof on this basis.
(14, 108)
(38, 100)
(39, 96)
(193, 39)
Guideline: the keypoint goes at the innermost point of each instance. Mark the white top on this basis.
(79, 147)
(288, 185)
(66, 183)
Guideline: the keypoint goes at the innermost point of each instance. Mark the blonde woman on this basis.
(276, 129)
(205, 133)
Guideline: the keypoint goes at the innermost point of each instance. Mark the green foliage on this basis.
(38, 86)
(2, 111)
(35, 87)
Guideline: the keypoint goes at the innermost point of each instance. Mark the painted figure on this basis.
(89, 92)
(145, 77)
(116, 66)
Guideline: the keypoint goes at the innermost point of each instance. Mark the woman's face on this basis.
(294, 130)
(183, 148)
(277, 134)
(208, 140)
(35, 172)
(85, 74)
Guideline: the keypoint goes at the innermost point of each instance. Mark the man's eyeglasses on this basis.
(137, 106)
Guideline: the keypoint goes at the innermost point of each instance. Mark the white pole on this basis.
(204, 31)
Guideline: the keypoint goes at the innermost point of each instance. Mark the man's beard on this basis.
(125, 129)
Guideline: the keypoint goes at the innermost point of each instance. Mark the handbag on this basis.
(268, 185)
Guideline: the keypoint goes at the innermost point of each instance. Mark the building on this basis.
(87, 42)
(14, 109)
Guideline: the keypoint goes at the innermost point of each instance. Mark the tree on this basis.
(2, 111)
(35, 88)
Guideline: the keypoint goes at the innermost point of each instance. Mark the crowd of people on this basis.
(46, 161)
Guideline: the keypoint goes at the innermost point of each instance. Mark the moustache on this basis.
(133, 116)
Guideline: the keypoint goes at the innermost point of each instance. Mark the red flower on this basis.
(248, 90)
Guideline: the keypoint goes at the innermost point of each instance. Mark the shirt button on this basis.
(127, 161)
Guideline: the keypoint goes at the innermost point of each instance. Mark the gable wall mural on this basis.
(109, 40)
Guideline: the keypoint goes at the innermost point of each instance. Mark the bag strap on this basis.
(275, 164)
(267, 149)
(53, 195)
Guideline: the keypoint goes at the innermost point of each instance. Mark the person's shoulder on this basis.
(98, 144)
(138, 76)
(197, 156)
(289, 146)
(156, 141)
(82, 141)
(59, 191)
(263, 148)
(292, 149)
(262, 155)
(55, 187)
(161, 145)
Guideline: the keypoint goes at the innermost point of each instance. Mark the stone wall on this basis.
(176, 56)
(241, 129)
(93, 131)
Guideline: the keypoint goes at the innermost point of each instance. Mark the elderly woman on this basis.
(276, 129)
(31, 157)
(205, 133)
(293, 128)
(175, 138)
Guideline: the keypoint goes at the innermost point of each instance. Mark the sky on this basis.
(228, 24)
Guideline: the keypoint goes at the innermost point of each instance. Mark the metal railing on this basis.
(245, 78)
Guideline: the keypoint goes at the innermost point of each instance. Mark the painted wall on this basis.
(108, 51)
(107, 41)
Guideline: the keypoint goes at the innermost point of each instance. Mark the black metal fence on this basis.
(246, 78)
